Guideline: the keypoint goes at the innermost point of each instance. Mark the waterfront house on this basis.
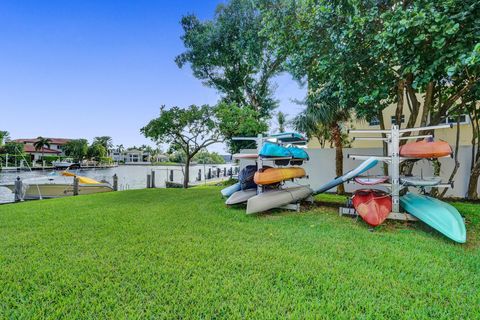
(56, 147)
(136, 156)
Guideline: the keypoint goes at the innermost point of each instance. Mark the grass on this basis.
(183, 254)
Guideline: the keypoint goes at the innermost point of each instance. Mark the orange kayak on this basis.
(426, 149)
(274, 175)
(373, 206)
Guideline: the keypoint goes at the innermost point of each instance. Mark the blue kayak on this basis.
(437, 214)
(273, 150)
(365, 166)
(228, 191)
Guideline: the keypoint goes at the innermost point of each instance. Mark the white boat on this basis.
(277, 198)
(62, 164)
(57, 186)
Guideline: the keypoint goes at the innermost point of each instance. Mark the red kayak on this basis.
(426, 149)
(373, 205)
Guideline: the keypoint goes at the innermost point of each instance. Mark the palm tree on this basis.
(41, 143)
(324, 115)
(281, 120)
(4, 136)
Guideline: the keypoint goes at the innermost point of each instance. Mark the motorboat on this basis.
(63, 164)
(57, 185)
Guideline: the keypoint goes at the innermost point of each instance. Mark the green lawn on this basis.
(183, 254)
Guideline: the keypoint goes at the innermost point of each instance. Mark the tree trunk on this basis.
(384, 144)
(457, 164)
(186, 174)
(473, 182)
(337, 138)
(400, 99)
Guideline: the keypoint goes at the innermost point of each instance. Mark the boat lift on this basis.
(260, 140)
(393, 137)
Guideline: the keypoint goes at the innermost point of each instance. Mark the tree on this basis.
(105, 141)
(231, 54)
(281, 121)
(96, 151)
(205, 157)
(235, 120)
(4, 136)
(190, 130)
(13, 148)
(41, 143)
(77, 149)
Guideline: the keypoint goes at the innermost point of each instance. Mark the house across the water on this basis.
(55, 149)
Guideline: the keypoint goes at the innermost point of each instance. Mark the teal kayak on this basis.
(437, 214)
(228, 191)
(273, 150)
(289, 137)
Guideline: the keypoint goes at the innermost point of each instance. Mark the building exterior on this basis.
(56, 147)
(136, 156)
(448, 135)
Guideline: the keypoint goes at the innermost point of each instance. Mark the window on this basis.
(453, 119)
(394, 120)
(374, 121)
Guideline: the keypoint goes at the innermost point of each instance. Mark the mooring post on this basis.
(225, 171)
(209, 175)
(75, 186)
(18, 190)
(171, 175)
(218, 172)
(115, 182)
(199, 177)
(149, 181)
(153, 179)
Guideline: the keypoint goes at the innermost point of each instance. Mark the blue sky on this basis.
(80, 69)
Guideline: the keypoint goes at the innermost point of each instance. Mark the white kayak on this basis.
(420, 181)
(370, 180)
(277, 198)
(241, 196)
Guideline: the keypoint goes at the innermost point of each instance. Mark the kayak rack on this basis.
(392, 138)
(260, 139)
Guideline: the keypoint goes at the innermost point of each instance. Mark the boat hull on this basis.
(275, 175)
(277, 198)
(420, 182)
(439, 215)
(370, 180)
(373, 206)
(426, 149)
(241, 196)
(47, 191)
(228, 191)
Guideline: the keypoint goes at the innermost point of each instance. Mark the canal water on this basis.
(129, 177)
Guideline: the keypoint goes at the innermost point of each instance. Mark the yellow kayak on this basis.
(83, 180)
(275, 175)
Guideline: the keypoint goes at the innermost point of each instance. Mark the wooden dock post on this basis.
(18, 190)
(199, 177)
(75, 186)
(209, 175)
(115, 182)
(218, 172)
(149, 181)
(153, 179)
(225, 171)
(171, 175)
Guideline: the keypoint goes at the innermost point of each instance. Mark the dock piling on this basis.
(149, 181)
(153, 179)
(75, 186)
(18, 190)
(115, 182)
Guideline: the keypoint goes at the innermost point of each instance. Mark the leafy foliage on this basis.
(4, 136)
(77, 149)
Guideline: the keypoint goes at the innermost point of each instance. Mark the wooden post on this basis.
(218, 172)
(225, 171)
(149, 181)
(115, 182)
(153, 179)
(171, 175)
(199, 177)
(230, 172)
(209, 175)
(18, 190)
(75, 186)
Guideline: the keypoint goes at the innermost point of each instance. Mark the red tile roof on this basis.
(28, 148)
(59, 141)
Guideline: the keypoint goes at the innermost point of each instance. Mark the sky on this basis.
(86, 68)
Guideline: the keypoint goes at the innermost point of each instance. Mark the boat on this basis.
(277, 198)
(241, 196)
(63, 164)
(420, 181)
(245, 177)
(426, 149)
(273, 150)
(437, 214)
(372, 205)
(363, 167)
(228, 191)
(370, 180)
(275, 175)
(58, 185)
(298, 153)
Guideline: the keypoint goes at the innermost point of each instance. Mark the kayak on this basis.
(245, 177)
(426, 149)
(420, 181)
(274, 175)
(370, 180)
(373, 206)
(241, 196)
(289, 137)
(273, 150)
(439, 215)
(363, 167)
(228, 191)
(277, 198)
